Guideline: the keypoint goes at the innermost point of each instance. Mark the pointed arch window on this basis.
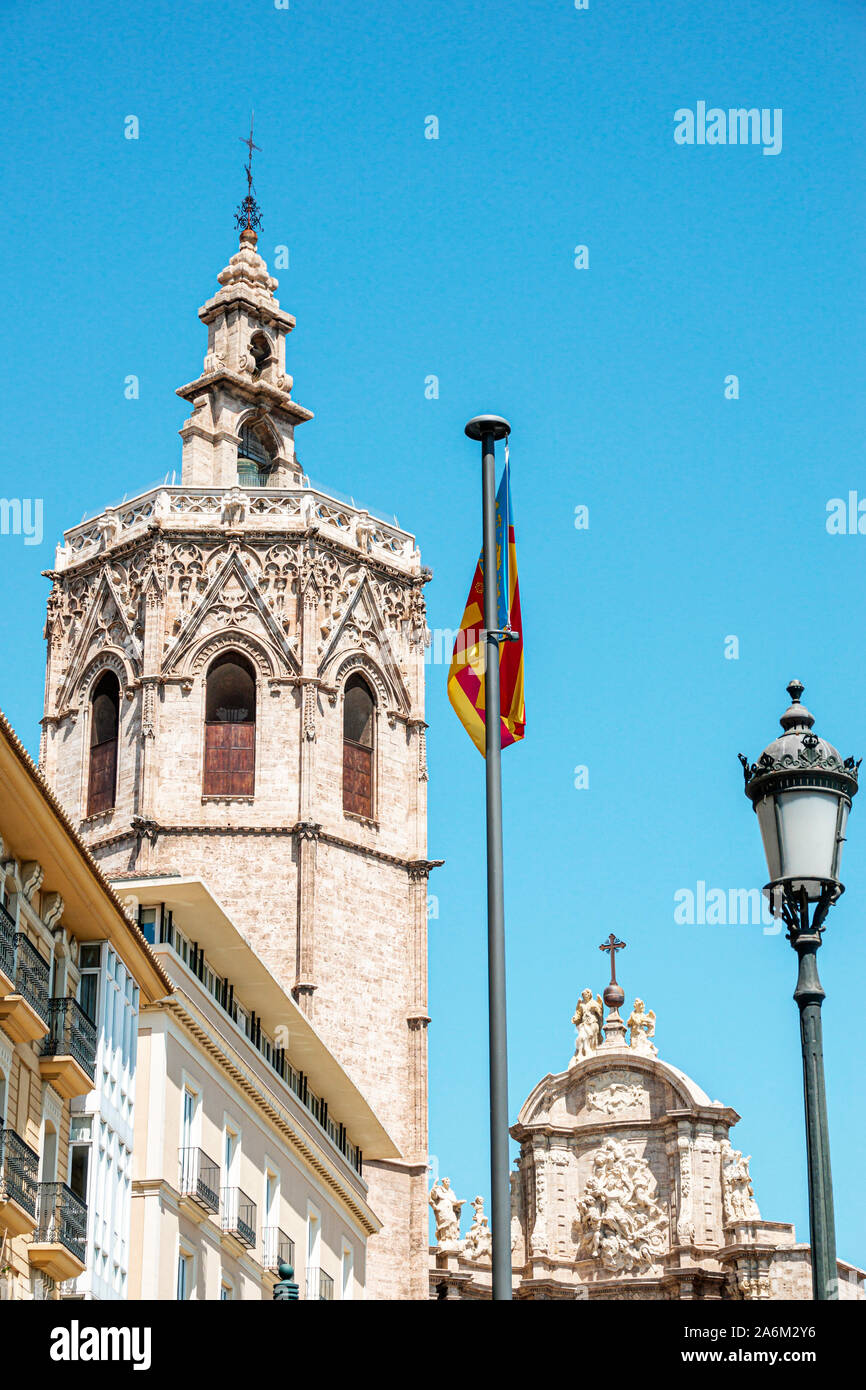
(255, 455)
(358, 742)
(230, 727)
(104, 726)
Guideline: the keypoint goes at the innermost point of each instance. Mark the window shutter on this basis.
(101, 778)
(357, 779)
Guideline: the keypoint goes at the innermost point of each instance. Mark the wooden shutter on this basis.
(101, 777)
(357, 779)
(229, 759)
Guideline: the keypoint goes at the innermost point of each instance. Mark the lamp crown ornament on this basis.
(801, 789)
(798, 748)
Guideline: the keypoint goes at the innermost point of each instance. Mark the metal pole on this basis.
(809, 995)
(489, 428)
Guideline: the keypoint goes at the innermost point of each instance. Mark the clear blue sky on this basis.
(454, 257)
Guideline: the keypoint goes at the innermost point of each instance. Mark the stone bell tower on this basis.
(235, 690)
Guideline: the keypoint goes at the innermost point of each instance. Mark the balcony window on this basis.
(277, 1248)
(62, 1219)
(319, 1285)
(31, 975)
(72, 1033)
(19, 1175)
(7, 944)
(239, 1216)
(200, 1178)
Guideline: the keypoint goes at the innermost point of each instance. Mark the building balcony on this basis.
(199, 1179)
(19, 1183)
(239, 1216)
(68, 1060)
(24, 1008)
(7, 951)
(277, 1248)
(60, 1241)
(319, 1285)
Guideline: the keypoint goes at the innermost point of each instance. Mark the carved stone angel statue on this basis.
(587, 1020)
(446, 1211)
(643, 1027)
(479, 1241)
(738, 1194)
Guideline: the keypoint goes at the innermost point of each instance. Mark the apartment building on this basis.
(250, 1138)
(67, 1043)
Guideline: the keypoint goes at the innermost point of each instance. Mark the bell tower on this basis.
(235, 691)
(242, 426)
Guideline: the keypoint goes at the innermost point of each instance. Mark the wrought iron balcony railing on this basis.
(277, 1248)
(62, 1219)
(72, 1034)
(19, 1171)
(320, 1285)
(200, 1178)
(239, 1216)
(7, 943)
(31, 975)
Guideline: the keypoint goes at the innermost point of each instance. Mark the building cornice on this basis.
(413, 865)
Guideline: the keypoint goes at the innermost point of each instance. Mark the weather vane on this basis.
(248, 215)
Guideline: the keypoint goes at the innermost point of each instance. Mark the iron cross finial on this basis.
(248, 215)
(612, 945)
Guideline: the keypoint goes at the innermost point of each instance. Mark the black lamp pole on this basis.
(801, 790)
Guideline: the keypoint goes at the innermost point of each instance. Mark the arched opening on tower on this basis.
(104, 726)
(260, 351)
(255, 454)
(230, 727)
(358, 745)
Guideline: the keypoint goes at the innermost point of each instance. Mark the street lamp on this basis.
(801, 791)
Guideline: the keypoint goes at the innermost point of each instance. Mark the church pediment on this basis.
(231, 603)
(107, 626)
(357, 626)
(615, 1084)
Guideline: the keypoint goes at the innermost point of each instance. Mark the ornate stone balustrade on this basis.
(173, 508)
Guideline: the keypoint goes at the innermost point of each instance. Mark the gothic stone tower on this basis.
(235, 690)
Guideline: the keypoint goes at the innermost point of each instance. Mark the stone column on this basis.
(417, 1017)
(306, 834)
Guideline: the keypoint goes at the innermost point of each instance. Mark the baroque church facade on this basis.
(627, 1187)
(235, 692)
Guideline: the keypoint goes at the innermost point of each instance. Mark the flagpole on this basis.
(487, 429)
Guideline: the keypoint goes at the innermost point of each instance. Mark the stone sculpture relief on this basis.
(479, 1241)
(620, 1222)
(643, 1027)
(587, 1020)
(446, 1212)
(738, 1195)
(613, 1099)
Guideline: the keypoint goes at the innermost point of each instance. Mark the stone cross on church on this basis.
(235, 691)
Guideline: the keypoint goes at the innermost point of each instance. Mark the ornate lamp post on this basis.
(801, 791)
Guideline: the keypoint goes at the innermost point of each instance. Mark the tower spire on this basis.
(248, 215)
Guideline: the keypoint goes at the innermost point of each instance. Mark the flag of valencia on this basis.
(466, 676)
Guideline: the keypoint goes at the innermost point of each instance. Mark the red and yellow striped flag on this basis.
(466, 676)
